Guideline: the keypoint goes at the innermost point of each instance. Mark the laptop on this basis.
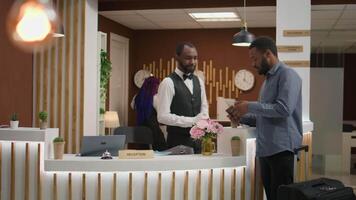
(97, 145)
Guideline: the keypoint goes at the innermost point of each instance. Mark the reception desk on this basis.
(29, 172)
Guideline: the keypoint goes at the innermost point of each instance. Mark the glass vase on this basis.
(207, 146)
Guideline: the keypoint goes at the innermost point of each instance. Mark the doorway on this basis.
(119, 85)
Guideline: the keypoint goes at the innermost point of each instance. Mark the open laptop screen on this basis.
(97, 145)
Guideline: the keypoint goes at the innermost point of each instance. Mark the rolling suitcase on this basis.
(318, 189)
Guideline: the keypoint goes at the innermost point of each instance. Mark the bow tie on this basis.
(190, 76)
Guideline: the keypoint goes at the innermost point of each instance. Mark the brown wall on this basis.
(15, 76)
(212, 44)
(349, 87)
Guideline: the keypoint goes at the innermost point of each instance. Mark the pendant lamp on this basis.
(243, 38)
(31, 23)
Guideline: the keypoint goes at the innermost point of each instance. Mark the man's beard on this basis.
(188, 68)
(264, 68)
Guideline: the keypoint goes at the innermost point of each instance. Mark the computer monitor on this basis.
(97, 145)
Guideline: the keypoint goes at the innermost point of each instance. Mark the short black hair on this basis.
(264, 43)
(181, 45)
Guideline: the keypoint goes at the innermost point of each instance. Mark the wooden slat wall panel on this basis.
(27, 171)
(59, 76)
(13, 167)
(214, 79)
(39, 175)
(0, 170)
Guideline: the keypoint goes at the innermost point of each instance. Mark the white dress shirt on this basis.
(165, 96)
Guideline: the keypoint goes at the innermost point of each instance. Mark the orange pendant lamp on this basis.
(31, 24)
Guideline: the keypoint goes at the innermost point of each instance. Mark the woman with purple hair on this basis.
(145, 106)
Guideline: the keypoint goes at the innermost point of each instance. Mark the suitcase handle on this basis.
(324, 187)
(301, 148)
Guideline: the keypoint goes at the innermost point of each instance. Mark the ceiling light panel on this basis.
(214, 16)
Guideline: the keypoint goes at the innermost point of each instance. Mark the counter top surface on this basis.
(27, 134)
(71, 162)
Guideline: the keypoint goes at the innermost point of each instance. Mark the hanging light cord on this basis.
(245, 24)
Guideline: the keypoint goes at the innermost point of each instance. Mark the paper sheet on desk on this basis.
(222, 105)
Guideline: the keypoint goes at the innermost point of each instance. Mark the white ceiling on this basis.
(333, 26)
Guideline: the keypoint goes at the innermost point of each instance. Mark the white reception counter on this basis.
(27, 170)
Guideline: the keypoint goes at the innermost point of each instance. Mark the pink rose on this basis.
(196, 132)
(203, 124)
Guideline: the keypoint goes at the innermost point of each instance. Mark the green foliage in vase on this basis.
(43, 116)
(58, 139)
(235, 138)
(14, 117)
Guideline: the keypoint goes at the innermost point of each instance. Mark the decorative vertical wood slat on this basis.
(159, 187)
(45, 80)
(114, 185)
(67, 92)
(130, 186)
(75, 74)
(222, 184)
(145, 187)
(253, 179)
(27, 171)
(84, 192)
(69, 186)
(99, 187)
(82, 36)
(39, 175)
(186, 185)
(59, 73)
(210, 185)
(233, 185)
(173, 186)
(243, 177)
(38, 84)
(13, 172)
(54, 188)
(52, 88)
(198, 186)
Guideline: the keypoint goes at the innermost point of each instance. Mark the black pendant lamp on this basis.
(243, 38)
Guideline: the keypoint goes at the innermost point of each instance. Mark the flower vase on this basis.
(207, 146)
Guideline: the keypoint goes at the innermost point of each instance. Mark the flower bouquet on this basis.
(206, 130)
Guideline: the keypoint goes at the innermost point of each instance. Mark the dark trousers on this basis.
(276, 170)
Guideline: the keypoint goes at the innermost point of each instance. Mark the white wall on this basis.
(326, 111)
(90, 69)
(297, 18)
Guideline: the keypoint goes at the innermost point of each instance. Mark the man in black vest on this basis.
(182, 99)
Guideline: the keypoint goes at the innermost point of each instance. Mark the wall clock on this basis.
(244, 80)
(140, 77)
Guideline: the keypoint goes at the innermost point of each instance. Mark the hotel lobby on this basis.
(63, 78)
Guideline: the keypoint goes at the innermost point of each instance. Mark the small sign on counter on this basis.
(135, 154)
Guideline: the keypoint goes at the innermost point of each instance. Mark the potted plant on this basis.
(235, 146)
(43, 119)
(58, 146)
(14, 121)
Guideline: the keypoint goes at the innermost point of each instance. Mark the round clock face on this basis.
(140, 77)
(244, 80)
